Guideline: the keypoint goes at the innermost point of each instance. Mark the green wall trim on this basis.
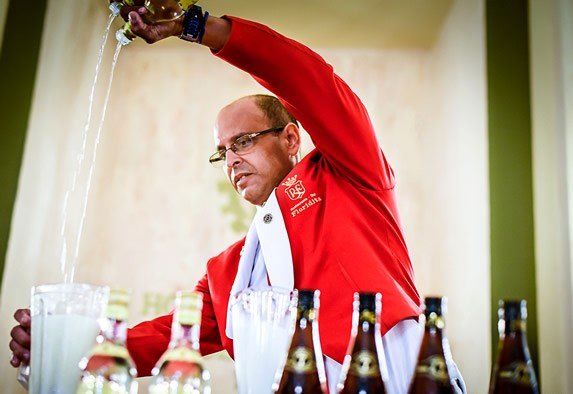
(510, 163)
(18, 63)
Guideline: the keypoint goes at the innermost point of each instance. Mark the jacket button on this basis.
(267, 218)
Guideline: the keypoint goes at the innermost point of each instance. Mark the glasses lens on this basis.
(217, 159)
(242, 144)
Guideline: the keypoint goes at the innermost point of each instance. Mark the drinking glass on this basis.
(66, 319)
(262, 323)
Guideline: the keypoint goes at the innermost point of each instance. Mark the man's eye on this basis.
(243, 143)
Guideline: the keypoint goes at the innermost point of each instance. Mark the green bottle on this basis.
(108, 368)
(158, 11)
(180, 369)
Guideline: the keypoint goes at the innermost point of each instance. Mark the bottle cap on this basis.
(512, 310)
(435, 304)
(124, 35)
(115, 7)
(369, 301)
(308, 299)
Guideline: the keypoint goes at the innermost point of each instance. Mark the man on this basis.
(329, 221)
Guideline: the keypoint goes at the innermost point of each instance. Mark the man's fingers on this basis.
(20, 353)
(125, 11)
(23, 317)
(14, 361)
(137, 25)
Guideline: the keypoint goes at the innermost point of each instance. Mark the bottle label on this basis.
(368, 316)
(517, 325)
(433, 367)
(188, 316)
(301, 360)
(308, 314)
(110, 349)
(435, 320)
(364, 364)
(182, 354)
(517, 373)
(89, 386)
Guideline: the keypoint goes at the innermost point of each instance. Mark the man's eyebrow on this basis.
(233, 139)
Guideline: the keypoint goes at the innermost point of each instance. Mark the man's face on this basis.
(256, 173)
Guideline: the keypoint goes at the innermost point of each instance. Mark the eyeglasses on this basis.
(242, 145)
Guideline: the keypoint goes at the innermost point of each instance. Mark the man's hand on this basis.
(141, 26)
(20, 343)
(153, 32)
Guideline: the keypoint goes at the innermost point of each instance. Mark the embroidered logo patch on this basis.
(294, 188)
(295, 191)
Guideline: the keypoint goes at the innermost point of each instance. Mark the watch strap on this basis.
(194, 24)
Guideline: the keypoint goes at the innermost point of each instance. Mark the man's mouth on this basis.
(240, 179)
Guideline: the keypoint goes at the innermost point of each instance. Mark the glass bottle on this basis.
(157, 11)
(513, 370)
(180, 369)
(108, 368)
(431, 373)
(304, 371)
(364, 367)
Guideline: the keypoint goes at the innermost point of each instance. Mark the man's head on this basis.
(255, 171)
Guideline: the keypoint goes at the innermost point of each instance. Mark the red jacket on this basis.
(338, 204)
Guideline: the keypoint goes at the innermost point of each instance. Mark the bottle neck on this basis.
(185, 335)
(514, 333)
(366, 321)
(116, 331)
(513, 327)
(306, 317)
(434, 323)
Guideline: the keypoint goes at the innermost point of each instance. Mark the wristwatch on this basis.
(194, 24)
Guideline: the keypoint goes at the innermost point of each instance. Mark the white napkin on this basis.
(267, 232)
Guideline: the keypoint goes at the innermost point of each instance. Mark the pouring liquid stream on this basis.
(80, 194)
(76, 193)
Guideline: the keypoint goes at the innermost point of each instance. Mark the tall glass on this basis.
(262, 322)
(65, 321)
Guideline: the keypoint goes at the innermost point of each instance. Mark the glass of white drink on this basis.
(65, 321)
(262, 323)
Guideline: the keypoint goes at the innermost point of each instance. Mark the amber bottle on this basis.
(513, 371)
(364, 368)
(431, 374)
(303, 371)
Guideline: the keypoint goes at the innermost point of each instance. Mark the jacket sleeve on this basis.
(210, 341)
(326, 107)
(147, 341)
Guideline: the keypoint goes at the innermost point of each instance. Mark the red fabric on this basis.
(338, 203)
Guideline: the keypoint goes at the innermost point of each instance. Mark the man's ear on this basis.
(292, 133)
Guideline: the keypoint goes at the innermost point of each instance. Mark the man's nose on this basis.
(232, 159)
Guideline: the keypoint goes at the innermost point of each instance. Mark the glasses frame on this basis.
(220, 156)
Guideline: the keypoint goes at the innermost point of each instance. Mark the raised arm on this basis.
(328, 109)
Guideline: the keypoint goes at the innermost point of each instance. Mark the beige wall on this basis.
(451, 254)
(156, 210)
(552, 108)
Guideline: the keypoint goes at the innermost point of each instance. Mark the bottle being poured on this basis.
(158, 11)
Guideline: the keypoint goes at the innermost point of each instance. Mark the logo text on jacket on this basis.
(295, 191)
